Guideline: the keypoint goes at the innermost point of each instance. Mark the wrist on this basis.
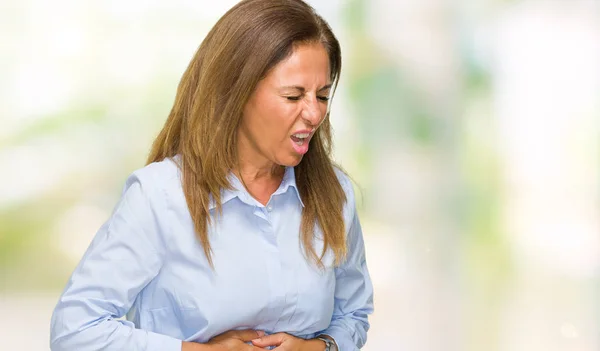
(330, 344)
(315, 345)
(194, 346)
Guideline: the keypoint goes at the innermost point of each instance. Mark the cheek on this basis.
(323, 110)
(276, 122)
(272, 119)
(282, 117)
(322, 113)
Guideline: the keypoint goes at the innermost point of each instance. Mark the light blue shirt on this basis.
(146, 262)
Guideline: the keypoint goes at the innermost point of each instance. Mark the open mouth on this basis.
(300, 142)
(300, 138)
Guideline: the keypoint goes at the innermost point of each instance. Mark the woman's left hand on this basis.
(287, 342)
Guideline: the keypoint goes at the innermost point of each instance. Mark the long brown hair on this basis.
(249, 40)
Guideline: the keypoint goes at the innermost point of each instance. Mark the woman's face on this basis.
(286, 108)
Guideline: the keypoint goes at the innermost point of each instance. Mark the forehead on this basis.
(308, 63)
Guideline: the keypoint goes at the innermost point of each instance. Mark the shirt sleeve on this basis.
(121, 260)
(353, 300)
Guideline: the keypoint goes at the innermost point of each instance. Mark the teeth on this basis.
(302, 135)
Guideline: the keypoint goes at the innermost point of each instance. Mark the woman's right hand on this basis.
(233, 340)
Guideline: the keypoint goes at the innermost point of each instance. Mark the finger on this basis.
(247, 334)
(269, 340)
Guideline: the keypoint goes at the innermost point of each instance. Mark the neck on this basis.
(260, 182)
(259, 174)
(254, 168)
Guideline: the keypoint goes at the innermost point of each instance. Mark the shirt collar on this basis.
(289, 180)
(238, 190)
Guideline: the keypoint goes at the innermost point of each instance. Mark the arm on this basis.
(353, 292)
(121, 260)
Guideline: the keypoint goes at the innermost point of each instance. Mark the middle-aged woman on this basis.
(240, 233)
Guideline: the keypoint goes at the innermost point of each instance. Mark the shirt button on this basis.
(269, 208)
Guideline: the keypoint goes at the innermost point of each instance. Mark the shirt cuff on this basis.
(341, 337)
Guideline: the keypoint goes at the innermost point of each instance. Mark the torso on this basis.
(261, 279)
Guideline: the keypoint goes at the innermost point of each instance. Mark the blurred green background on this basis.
(471, 127)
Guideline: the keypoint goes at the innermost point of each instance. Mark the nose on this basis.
(312, 112)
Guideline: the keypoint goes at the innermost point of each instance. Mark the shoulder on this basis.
(347, 185)
(345, 182)
(155, 178)
(343, 178)
(146, 200)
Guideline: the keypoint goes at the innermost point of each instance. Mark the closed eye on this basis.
(297, 98)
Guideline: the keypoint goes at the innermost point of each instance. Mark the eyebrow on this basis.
(301, 89)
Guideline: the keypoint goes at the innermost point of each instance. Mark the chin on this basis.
(291, 161)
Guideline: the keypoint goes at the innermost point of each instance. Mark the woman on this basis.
(239, 234)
